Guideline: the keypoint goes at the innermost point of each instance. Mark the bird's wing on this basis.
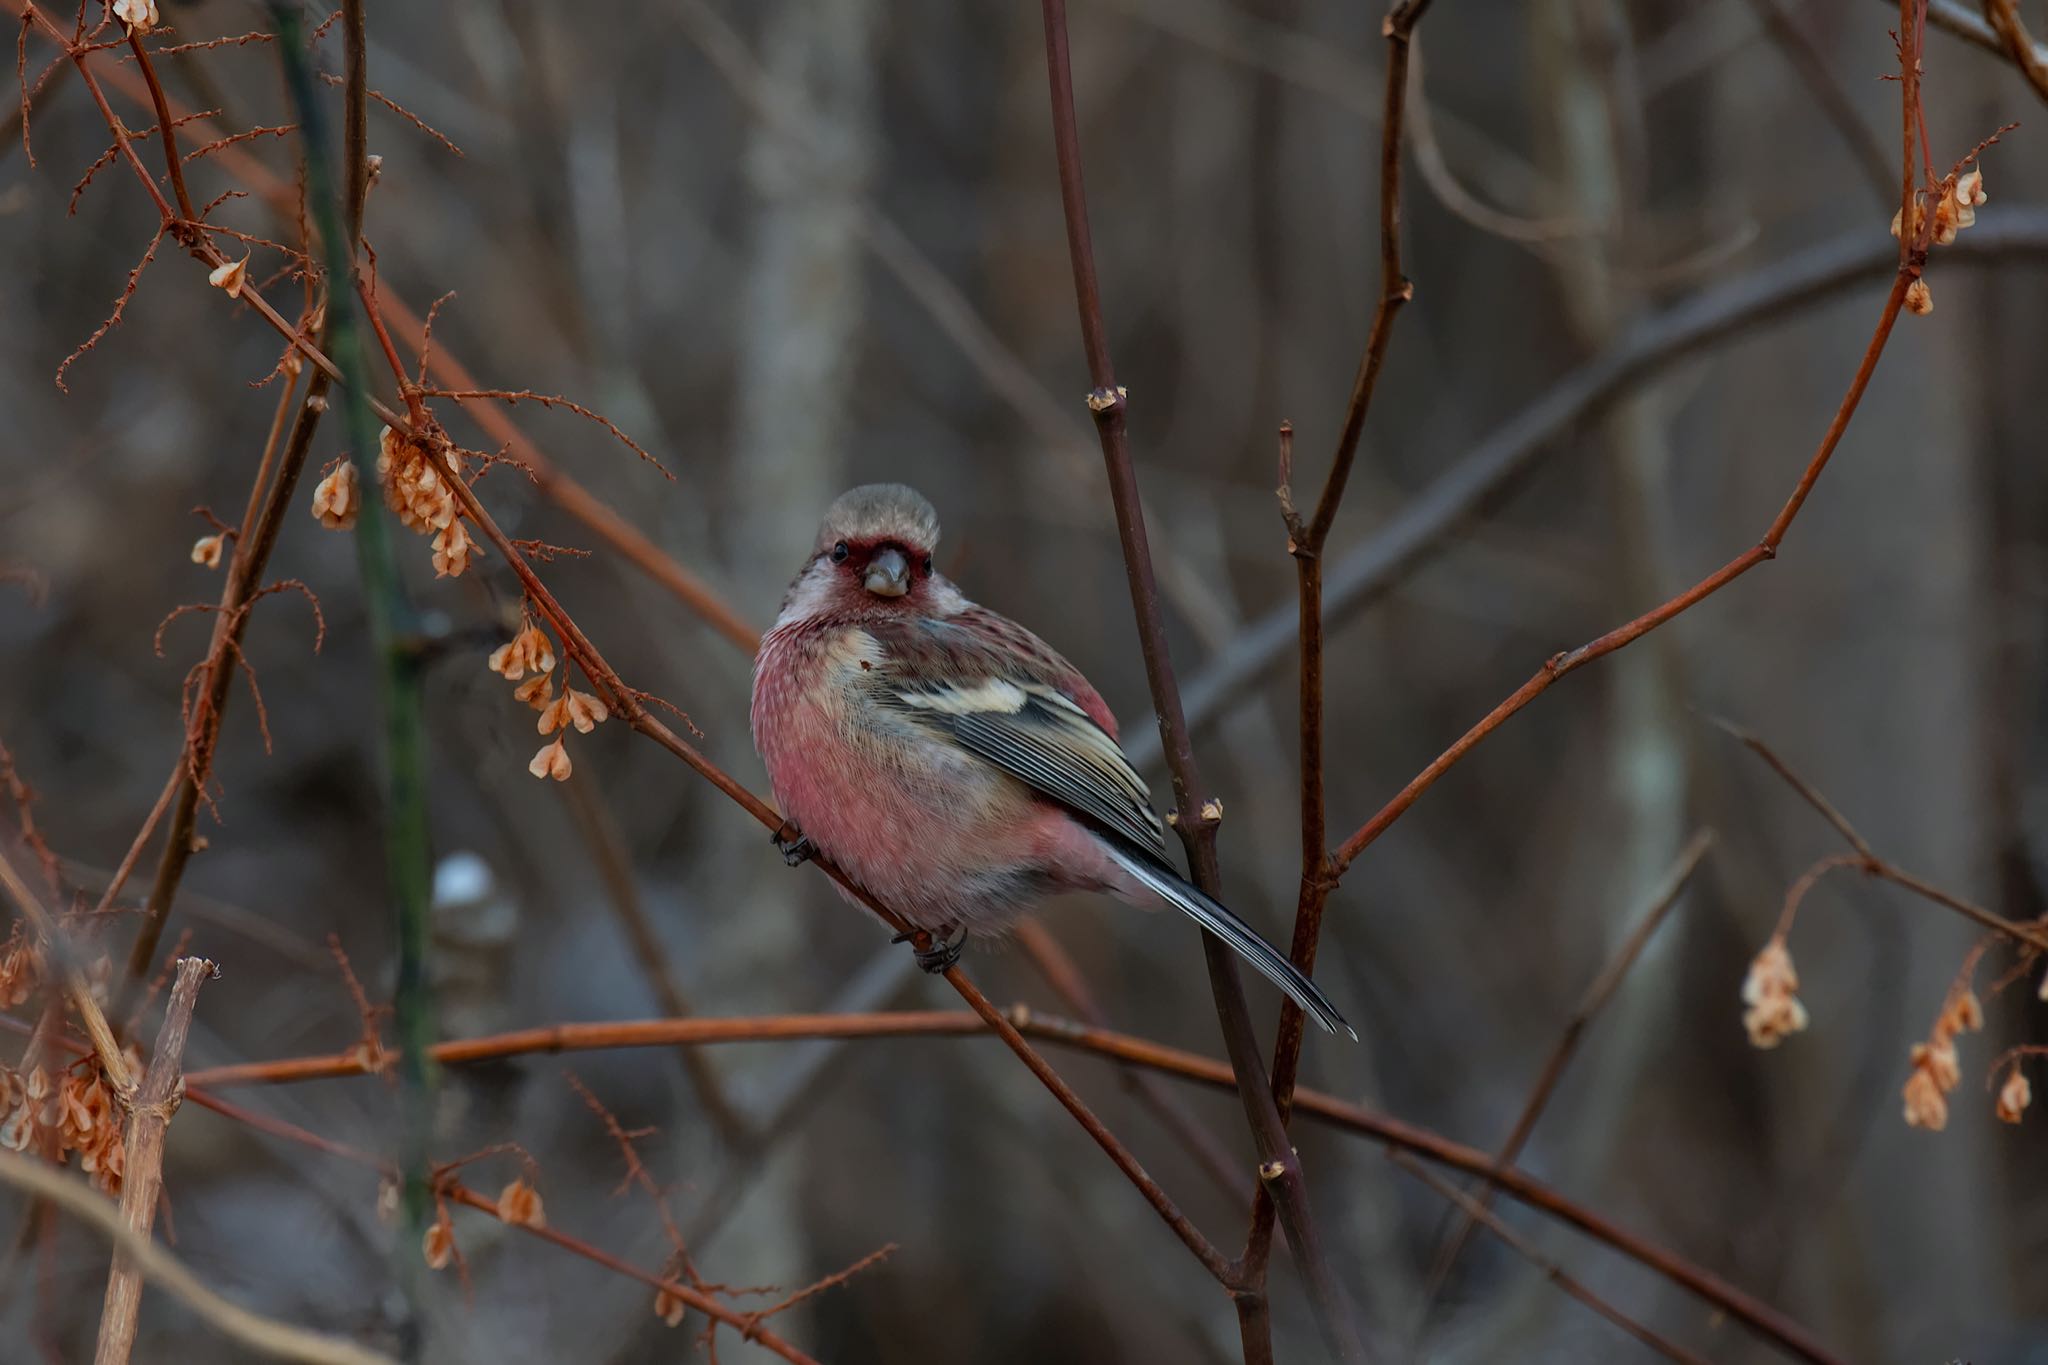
(1003, 694)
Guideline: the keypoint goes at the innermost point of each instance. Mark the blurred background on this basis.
(793, 245)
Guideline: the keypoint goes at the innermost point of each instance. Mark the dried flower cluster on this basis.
(416, 488)
(531, 652)
(75, 1114)
(1771, 992)
(1954, 210)
(1936, 1070)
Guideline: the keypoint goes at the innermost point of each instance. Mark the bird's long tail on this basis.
(1242, 938)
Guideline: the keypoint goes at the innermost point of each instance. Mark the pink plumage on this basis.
(947, 759)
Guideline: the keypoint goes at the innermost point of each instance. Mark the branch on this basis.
(1722, 313)
(142, 1171)
(267, 1336)
(1305, 542)
(1867, 861)
(1098, 1042)
(1279, 1165)
(1569, 661)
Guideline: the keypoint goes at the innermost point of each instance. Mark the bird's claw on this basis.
(944, 953)
(796, 852)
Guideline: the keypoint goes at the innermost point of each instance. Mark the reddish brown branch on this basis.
(142, 1172)
(1558, 665)
(1305, 542)
(1279, 1164)
(1099, 1042)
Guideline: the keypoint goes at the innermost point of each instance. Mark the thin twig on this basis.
(142, 1170)
(1866, 859)
(1810, 64)
(1064, 976)
(622, 893)
(1475, 1211)
(1590, 1004)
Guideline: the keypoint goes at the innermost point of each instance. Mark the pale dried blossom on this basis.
(535, 690)
(668, 1308)
(520, 1203)
(453, 549)
(17, 1113)
(206, 550)
(1957, 208)
(438, 1246)
(2014, 1096)
(1919, 298)
(1925, 1106)
(387, 1200)
(17, 969)
(139, 15)
(230, 276)
(579, 709)
(1771, 993)
(1963, 1013)
(338, 497)
(528, 651)
(1937, 1069)
(1938, 1059)
(552, 761)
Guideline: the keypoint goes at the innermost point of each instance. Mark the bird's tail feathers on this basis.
(1244, 940)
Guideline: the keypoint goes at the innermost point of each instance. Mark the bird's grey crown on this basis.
(880, 511)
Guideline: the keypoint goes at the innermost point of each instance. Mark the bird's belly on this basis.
(933, 832)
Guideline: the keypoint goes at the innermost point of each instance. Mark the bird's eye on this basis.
(839, 553)
(927, 564)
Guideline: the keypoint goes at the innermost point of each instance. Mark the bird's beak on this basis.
(888, 574)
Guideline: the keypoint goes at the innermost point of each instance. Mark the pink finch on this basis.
(945, 758)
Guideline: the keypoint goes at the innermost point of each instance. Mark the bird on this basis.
(948, 761)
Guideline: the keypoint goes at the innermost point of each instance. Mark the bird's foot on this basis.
(944, 953)
(796, 852)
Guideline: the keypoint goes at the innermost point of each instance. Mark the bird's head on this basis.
(873, 552)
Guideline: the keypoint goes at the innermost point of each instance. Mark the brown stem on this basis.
(142, 1170)
(1279, 1165)
(195, 760)
(1306, 544)
(168, 128)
